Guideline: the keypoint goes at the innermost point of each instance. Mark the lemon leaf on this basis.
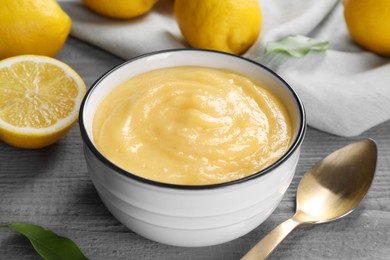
(46, 243)
(296, 46)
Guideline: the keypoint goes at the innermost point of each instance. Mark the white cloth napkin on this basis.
(345, 90)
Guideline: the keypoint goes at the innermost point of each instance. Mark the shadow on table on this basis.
(25, 163)
(18, 246)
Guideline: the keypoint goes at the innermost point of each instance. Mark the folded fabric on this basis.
(345, 90)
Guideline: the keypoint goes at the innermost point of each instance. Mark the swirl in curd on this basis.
(191, 126)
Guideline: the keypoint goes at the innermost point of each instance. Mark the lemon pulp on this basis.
(39, 100)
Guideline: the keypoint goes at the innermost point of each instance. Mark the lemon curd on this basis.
(191, 126)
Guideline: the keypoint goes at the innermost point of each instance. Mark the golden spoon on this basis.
(328, 191)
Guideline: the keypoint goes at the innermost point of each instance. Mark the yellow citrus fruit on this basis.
(368, 23)
(224, 25)
(122, 9)
(39, 100)
(37, 27)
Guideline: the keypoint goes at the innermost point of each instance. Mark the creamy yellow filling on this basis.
(192, 126)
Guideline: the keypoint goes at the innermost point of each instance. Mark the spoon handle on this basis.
(268, 244)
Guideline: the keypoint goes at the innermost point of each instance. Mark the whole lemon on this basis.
(224, 25)
(32, 27)
(122, 9)
(368, 23)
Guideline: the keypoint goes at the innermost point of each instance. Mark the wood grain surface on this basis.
(51, 187)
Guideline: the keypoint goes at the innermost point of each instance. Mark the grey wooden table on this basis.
(51, 187)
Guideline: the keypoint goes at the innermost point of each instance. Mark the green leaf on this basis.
(48, 244)
(296, 46)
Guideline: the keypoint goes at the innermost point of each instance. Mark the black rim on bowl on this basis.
(295, 144)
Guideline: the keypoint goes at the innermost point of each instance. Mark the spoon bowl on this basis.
(330, 190)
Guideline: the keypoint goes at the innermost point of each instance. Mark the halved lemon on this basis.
(40, 99)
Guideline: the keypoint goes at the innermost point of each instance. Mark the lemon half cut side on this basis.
(40, 99)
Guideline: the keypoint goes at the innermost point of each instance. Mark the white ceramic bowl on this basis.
(191, 215)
